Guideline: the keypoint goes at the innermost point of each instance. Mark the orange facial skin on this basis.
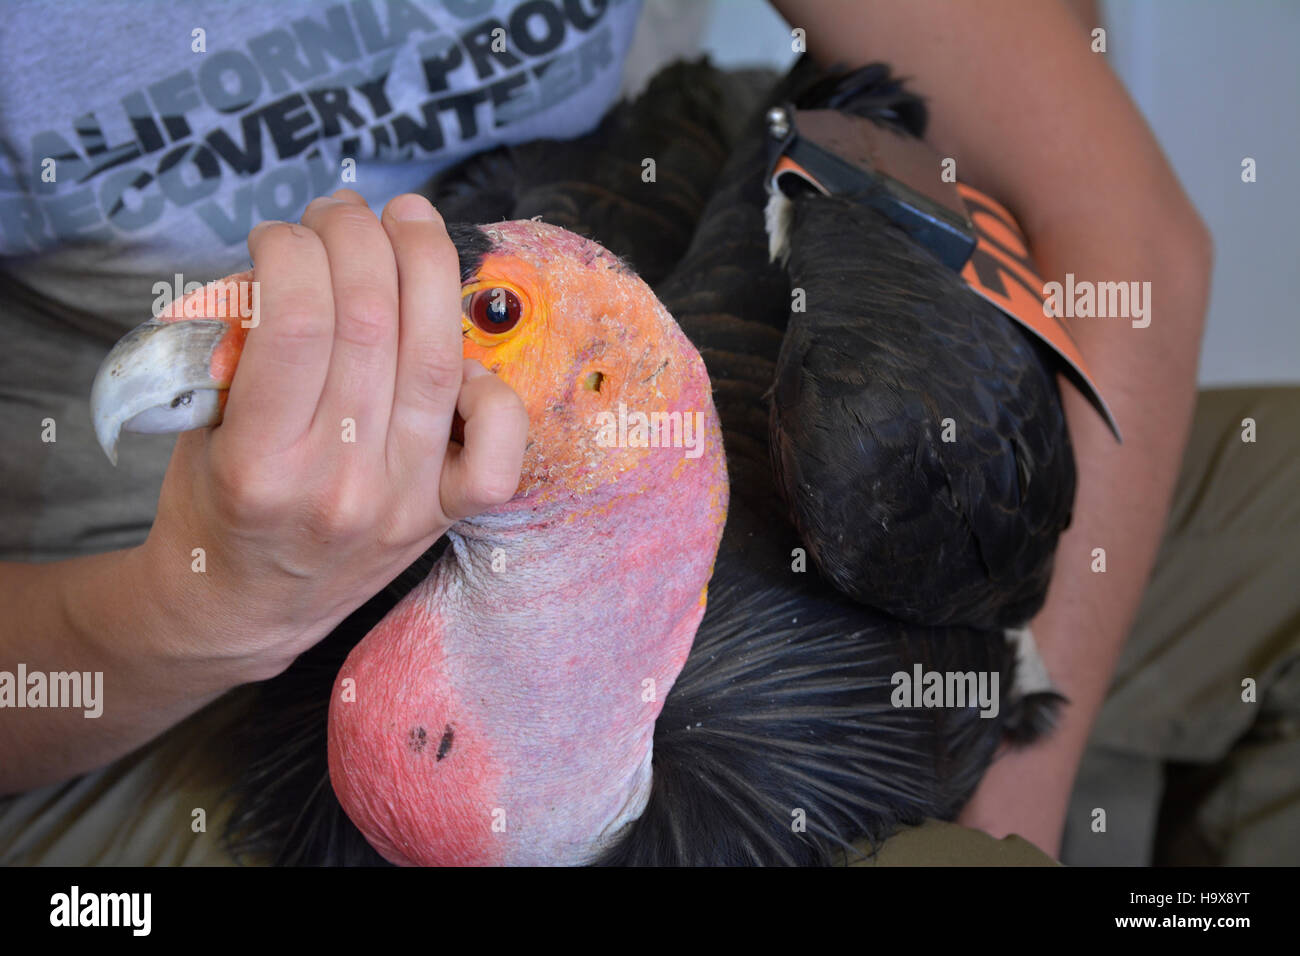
(585, 324)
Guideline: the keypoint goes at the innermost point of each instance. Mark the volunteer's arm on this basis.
(1037, 120)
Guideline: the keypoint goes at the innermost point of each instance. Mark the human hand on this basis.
(333, 468)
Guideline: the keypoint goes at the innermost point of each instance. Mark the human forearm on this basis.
(1105, 206)
(95, 615)
(1124, 492)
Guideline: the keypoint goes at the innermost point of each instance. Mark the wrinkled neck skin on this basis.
(504, 711)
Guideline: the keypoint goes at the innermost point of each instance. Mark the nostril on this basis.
(594, 381)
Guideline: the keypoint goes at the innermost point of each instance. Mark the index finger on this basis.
(286, 355)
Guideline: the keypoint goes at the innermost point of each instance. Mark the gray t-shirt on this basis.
(143, 139)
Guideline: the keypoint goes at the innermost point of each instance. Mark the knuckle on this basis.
(499, 400)
(333, 518)
(436, 376)
(240, 497)
(402, 529)
(367, 318)
(341, 512)
(496, 488)
(299, 325)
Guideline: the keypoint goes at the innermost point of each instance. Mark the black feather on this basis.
(871, 91)
(597, 185)
(472, 244)
(889, 345)
(893, 349)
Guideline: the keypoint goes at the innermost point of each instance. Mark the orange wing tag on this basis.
(1001, 271)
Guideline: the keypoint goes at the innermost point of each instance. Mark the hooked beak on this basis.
(160, 378)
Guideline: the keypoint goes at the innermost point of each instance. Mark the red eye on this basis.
(495, 310)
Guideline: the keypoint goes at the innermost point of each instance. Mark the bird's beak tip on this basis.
(110, 449)
(107, 433)
(140, 383)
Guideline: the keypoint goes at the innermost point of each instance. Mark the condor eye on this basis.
(495, 311)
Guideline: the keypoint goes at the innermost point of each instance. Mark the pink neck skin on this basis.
(506, 716)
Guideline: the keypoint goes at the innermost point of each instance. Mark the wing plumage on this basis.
(917, 431)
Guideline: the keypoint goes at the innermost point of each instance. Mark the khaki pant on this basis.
(1186, 771)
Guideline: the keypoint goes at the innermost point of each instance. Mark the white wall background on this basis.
(1220, 81)
(1217, 81)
